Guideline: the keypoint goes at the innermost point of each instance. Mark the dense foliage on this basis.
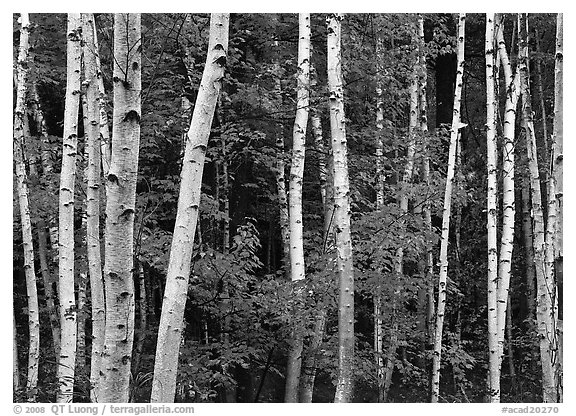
(256, 309)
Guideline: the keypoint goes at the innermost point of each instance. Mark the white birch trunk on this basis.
(378, 320)
(66, 214)
(558, 195)
(297, 269)
(546, 312)
(23, 204)
(492, 192)
(113, 386)
(92, 134)
(442, 280)
(344, 386)
(170, 329)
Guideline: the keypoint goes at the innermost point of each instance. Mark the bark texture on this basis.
(170, 329)
(546, 308)
(344, 386)
(443, 259)
(114, 382)
(24, 206)
(297, 268)
(492, 192)
(93, 141)
(68, 305)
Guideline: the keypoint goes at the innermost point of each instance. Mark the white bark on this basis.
(66, 214)
(492, 192)
(344, 387)
(113, 385)
(546, 308)
(443, 259)
(170, 329)
(92, 134)
(23, 204)
(512, 83)
(297, 268)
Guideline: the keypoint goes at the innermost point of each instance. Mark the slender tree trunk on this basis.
(66, 214)
(41, 128)
(142, 321)
(390, 363)
(426, 207)
(443, 260)
(15, 366)
(492, 193)
(556, 239)
(509, 335)
(508, 200)
(344, 386)
(545, 307)
(327, 193)
(170, 329)
(48, 288)
(281, 186)
(93, 144)
(528, 250)
(297, 268)
(378, 318)
(23, 203)
(113, 385)
(105, 141)
(539, 84)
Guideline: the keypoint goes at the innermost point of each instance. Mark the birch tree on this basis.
(557, 191)
(378, 321)
(175, 294)
(113, 385)
(443, 260)
(344, 386)
(24, 206)
(92, 135)
(492, 192)
(68, 305)
(511, 81)
(546, 308)
(297, 269)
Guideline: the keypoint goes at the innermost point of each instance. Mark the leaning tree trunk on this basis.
(92, 134)
(297, 269)
(66, 214)
(492, 193)
(344, 386)
(443, 260)
(170, 329)
(22, 189)
(113, 385)
(546, 289)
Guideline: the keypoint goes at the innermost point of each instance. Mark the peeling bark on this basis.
(297, 268)
(113, 386)
(24, 206)
(93, 144)
(344, 386)
(66, 214)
